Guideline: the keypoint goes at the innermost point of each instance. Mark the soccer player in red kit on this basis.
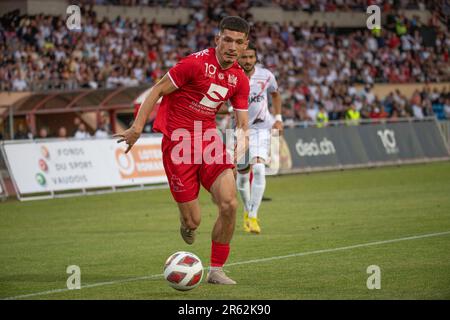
(193, 91)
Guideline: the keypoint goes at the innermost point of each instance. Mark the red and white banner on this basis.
(82, 164)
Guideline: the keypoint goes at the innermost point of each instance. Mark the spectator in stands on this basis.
(378, 112)
(23, 132)
(417, 111)
(322, 116)
(19, 83)
(311, 111)
(103, 129)
(82, 133)
(76, 123)
(427, 108)
(447, 108)
(288, 116)
(352, 115)
(113, 80)
(367, 94)
(62, 132)
(365, 110)
(43, 133)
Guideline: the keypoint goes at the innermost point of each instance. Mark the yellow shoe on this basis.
(246, 222)
(253, 225)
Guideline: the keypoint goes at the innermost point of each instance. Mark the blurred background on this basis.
(87, 82)
(55, 82)
(353, 97)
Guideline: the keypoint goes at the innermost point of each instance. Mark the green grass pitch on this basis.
(333, 225)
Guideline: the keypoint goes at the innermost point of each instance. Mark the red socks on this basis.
(219, 254)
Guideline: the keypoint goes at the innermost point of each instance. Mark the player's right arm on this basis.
(130, 136)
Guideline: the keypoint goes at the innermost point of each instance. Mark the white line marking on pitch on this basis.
(237, 263)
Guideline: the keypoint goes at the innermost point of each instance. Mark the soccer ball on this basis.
(183, 270)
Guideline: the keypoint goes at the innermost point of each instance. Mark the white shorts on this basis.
(259, 144)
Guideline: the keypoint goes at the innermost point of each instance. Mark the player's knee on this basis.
(259, 173)
(242, 180)
(228, 207)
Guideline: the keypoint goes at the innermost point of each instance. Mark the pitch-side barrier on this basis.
(60, 168)
(340, 145)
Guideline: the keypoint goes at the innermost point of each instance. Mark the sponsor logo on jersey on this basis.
(201, 53)
(254, 99)
(216, 95)
(177, 185)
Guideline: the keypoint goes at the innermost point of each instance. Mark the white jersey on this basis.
(262, 82)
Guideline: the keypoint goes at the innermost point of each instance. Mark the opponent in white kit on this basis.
(261, 121)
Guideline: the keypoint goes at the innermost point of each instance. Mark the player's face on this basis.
(248, 60)
(230, 45)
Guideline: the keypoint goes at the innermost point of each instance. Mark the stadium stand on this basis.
(305, 5)
(315, 64)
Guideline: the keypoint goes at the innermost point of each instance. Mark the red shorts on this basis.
(185, 178)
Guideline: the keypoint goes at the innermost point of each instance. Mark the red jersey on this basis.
(203, 86)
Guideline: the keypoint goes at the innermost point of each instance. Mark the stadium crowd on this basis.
(305, 5)
(81, 132)
(40, 51)
(315, 65)
(304, 105)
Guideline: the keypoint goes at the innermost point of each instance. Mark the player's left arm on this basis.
(239, 101)
(276, 104)
(225, 109)
(242, 133)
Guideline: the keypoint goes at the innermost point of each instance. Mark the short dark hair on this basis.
(251, 46)
(234, 23)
